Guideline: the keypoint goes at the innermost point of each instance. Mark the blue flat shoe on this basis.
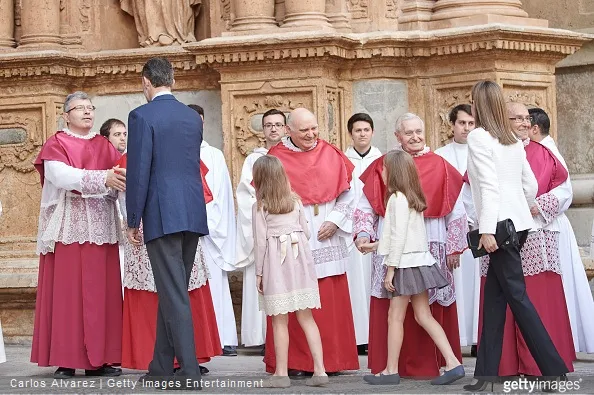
(382, 379)
(449, 376)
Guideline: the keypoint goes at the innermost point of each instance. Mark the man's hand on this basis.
(259, 285)
(327, 230)
(115, 180)
(488, 241)
(534, 210)
(134, 237)
(360, 242)
(453, 261)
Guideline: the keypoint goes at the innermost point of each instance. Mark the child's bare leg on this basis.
(396, 314)
(424, 318)
(281, 343)
(312, 334)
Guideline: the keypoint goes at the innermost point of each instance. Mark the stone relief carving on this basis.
(333, 117)
(392, 9)
(163, 23)
(85, 14)
(450, 99)
(530, 99)
(246, 130)
(358, 8)
(226, 10)
(20, 155)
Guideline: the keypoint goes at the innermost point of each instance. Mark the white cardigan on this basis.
(502, 183)
(404, 238)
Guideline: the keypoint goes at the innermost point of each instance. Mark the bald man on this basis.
(321, 175)
(540, 257)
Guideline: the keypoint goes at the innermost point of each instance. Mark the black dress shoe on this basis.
(105, 371)
(480, 385)
(473, 351)
(203, 369)
(64, 373)
(332, 374)
(263, 352)
(299, 374)
(229, 351)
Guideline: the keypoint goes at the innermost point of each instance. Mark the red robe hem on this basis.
(140, 327)
(337, 330)
(419, 357)
(545, 291)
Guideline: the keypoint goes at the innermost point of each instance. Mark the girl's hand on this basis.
(388, 281)
(488, 241)
(259, 284)
(368, 247)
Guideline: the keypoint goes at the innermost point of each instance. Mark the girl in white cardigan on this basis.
(412, 270)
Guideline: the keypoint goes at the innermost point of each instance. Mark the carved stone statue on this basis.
(163, 22)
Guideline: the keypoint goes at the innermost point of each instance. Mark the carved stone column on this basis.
(454, 13)
(7, 25)
(306, 15)
(253, 15)
(338, 15)
(40, 22)
(415, 15)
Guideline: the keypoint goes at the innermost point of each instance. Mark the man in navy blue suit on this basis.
(164, 189)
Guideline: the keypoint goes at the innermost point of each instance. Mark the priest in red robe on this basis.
(540, 259)
(321, 175)
(446, 224)
(141, 301)
(78, 312)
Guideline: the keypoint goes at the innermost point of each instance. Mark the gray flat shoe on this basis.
(382, 379)
(317, 381)
(277, 382)
(449, 376)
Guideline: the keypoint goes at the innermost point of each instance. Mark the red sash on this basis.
(440, 181)
(319, 175)
(547, 169)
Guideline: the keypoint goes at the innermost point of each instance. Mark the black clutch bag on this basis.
(505, 236)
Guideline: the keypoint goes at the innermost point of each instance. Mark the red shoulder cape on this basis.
(203, 171)
(441, 184)
(319, 175)
(96, 153)
(547, 169)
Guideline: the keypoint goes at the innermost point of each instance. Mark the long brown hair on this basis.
(490, 111)
(273, 190)
(402, 177)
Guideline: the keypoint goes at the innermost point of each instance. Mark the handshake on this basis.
(116, 178)
(364, 245)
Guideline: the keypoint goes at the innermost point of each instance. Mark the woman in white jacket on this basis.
(503, 187)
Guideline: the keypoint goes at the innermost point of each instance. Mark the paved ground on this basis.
(18, 375)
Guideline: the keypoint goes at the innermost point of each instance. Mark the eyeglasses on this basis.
(521, 119)
(82, 108)
(271, 125)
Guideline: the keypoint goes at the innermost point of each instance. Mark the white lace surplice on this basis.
(138, 273)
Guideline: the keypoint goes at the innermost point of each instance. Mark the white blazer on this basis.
(502, 183)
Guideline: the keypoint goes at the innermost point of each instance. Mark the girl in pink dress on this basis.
(285, 273)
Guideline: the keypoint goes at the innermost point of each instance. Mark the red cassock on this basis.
(140, 316)
(319, 176)
(78, 311)
(419, 357)
(545, 289)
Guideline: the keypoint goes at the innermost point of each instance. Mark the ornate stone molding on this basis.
(19, 152)
(359, 9)
(544, 43)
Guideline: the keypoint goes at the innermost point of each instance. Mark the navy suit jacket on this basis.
(163, 184)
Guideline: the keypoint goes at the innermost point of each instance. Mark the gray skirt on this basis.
(414, 280)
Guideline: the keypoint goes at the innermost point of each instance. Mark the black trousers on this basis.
(505, 285)
(172, 258)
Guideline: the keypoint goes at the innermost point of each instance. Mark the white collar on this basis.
(87, 136)
(260, 150)
(204, 144)
(286, 141)
(162, 93)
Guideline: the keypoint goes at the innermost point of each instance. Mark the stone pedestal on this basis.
(253, 15)
(40, 22)
(456, 13)
(7, 25)
(415, 15)
(306, 15)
